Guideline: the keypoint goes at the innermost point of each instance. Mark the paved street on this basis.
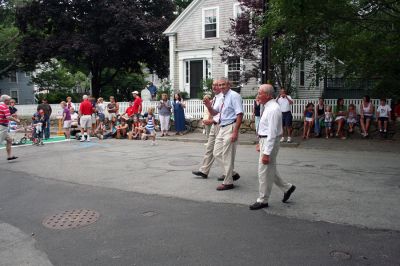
(152, 210)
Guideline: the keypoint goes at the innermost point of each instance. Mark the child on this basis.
(383, 114)
(308, 120)
(122, 129)
(328, 121)
(66, 120)
(207, 116)
(135, 128)
(150, 125)
(351, 117)
(39, 124)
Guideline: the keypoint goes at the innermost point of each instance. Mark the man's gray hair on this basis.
(4, 97)
(225, 79)
(268, 89)
(84, 97)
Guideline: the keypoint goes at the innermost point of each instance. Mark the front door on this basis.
(196, 76)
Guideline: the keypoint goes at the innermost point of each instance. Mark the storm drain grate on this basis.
(71, 219)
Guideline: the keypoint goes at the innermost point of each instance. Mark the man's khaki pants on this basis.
(208, 159)
(225, 151)
(268, 174)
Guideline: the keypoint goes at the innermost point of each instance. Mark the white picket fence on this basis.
(195, 108)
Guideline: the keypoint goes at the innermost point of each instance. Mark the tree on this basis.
(96, 36)
(181, 5)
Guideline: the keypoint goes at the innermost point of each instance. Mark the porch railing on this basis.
(195, 108)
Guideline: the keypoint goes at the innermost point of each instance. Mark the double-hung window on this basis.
(234, 71)
(210, 22)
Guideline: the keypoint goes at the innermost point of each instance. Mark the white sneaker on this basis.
(289, 140)
(153, 143)
(283, 139)
(82, 139)
(88, 139)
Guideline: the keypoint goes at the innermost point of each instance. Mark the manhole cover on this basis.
(149, 213)
(71, 219)
(340, 255)
(186, 162)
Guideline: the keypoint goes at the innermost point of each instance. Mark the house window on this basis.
(14, 95)
(302, 74)
(28, 74)
(210, 22)
(13, 77)
(234, 71)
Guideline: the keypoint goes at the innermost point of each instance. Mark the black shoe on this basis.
(286, 195)
(258, 205)
(235, 177)
(198, 173)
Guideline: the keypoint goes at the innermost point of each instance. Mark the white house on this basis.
(194, 41)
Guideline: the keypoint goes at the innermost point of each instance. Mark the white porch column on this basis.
(172, 42)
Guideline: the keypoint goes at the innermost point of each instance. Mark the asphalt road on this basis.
(153, 212)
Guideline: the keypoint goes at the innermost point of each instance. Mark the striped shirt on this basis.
(150, 122)
(4, 113)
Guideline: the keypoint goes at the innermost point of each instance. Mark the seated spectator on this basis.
(383, 116)
(328, 119)
(367, 113)
(134, 134)
(122, 129)
(351, 117)
(340, 113)
(309, 116)
(129, 114)
(74, 122)
(397, 111)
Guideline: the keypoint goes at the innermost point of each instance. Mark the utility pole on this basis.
(265, 53)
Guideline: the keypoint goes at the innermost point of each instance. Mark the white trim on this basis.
(202, 21)
(172, 59)
(181, 74)
(235, 10)
(195, 54)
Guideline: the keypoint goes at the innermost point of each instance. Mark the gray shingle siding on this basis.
(24, 89)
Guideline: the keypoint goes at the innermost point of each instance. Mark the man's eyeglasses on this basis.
(221, 84)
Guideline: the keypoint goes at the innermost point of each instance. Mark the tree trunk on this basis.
(96, 80)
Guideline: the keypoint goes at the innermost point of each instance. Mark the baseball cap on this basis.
(135, 92)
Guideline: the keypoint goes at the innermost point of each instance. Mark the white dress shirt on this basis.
(270, 125)
(284, 103)
(217, 101)
(229, 107)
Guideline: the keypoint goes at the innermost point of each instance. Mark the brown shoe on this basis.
(225, 187)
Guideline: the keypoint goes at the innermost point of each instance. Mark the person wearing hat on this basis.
(5, 118)
(137, 104)
(153, 90)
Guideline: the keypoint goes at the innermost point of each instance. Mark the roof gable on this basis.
(178, 21)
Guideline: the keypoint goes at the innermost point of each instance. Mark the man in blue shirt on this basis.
(153, 90)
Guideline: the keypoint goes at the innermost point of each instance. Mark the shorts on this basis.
(383, 119)
(328, 124)
(111, 116)
(67, 124)
(287, 119)
(94, 118)
(86, 121)
(367, 117)
(150, 131)
(351, 121)
(4, 134)
(340, 117)
(101, 117)
(309, 119)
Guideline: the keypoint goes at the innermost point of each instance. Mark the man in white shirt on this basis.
(230, 111)
(208, 158)
(285, 101)
(269, 131)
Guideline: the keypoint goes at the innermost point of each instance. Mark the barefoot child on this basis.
(328, 121)
(351, 117)
(150, 125)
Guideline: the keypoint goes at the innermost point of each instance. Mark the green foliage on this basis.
(166, 88)
(58, 96)
(97, 36)
(55, 76)
(207, 87)
(122, 85)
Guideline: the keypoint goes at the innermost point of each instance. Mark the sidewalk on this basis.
(371, 145)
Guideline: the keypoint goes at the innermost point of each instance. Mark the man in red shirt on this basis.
(5, 118)
(137, 104)
(85, 112)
